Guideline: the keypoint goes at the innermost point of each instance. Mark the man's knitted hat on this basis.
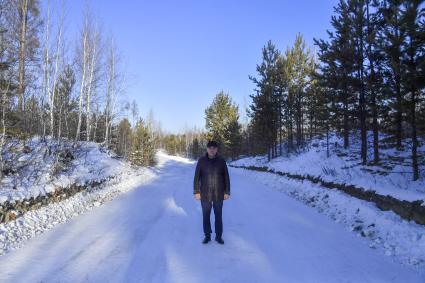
(212, 143)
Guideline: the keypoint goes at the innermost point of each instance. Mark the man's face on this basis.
(212, 150)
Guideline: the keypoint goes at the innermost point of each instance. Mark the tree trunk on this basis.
(82, 88)
(23, 7)
(345, 115)
(371, 81)
(415, 166)
(362, 103)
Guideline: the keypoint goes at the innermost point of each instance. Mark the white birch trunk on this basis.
(46, 80)
(110, 92)
(90, 82)
(83, 81)
(55, 74)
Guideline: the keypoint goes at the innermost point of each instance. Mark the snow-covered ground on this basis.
(153, 233)
(343, 166)
(39, 167)
(384, 230)
(15, 234)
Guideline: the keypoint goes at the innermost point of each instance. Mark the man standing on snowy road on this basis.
(211, 185)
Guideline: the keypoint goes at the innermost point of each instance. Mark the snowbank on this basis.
(343, 167)
(15, 234)
(397, 238)
(40, 167)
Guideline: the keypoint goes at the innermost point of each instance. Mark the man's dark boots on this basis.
(207, 238)
(219, 239)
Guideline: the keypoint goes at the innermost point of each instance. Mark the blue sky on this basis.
(179, 54)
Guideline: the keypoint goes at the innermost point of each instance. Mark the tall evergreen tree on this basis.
(282, 83)
(391, 37)
(374, 72)
(359, 33)
(414, 55)
(264, 107)
(221, 119)
(299, 75)
(337, 68)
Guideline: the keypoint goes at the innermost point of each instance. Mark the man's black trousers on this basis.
(206, 212)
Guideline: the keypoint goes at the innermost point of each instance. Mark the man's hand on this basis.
(226, 196)
(198, 196)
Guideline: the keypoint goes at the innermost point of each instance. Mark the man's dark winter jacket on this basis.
(211, 178)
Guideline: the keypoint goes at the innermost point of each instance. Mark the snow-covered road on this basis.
(154, 233)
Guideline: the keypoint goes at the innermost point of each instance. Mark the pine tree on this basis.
(124, 140)
(64, 102)
(374, 74)
(196, 148)
(288, 99)
(142, 151)
(281, 89)
(265, 106)
(414, 55)
(299, 74)
(313, 98)
(221, 120)
(337, 68)
(358, 35)
(391, 39)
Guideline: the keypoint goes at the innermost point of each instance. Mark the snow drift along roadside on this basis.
(407, 210)
(15, 233)
(403, 240)
(37, 167)
(343, 166)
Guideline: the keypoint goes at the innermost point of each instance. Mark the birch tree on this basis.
(111, 81)
(84, 57)
(5, 82)
(88, 58)
(52, 65)
(55, 72)
(94, 53)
